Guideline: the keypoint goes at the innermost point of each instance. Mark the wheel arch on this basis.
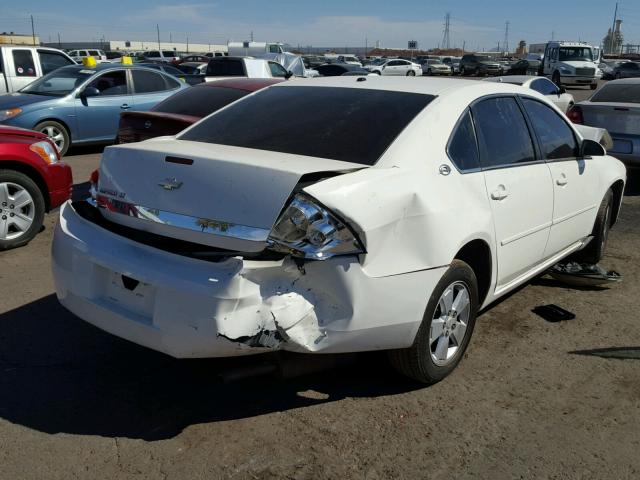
(57, 120)
(618, 191)
(477, 254)
(33, 174)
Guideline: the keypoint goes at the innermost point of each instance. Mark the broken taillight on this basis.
(575, 115)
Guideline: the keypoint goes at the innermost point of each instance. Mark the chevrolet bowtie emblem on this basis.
(170, 184)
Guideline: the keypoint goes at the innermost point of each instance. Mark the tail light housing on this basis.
(575, 115)
(93, 184)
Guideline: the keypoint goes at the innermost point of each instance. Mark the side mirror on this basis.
(590, 148)
(288, 75)
(561, 90)
(90, 92)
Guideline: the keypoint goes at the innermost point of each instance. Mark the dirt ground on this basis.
(532, 399)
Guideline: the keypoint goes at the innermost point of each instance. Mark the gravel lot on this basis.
(531, 399)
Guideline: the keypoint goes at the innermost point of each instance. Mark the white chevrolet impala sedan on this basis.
(336, 215)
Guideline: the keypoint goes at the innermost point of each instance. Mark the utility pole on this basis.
(366, 46)
(33, 31)
(252, 35)
(170, 38)
(505, 44)
(59, 43)
(187, 43)
(553, 35)
(445, 37)
(464, 42)
(613, 27)
(158, 30)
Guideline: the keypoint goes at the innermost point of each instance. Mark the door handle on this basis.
(562, 180)
(500, 193)
(124, 106)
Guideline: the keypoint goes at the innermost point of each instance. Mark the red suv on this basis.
(33, 181)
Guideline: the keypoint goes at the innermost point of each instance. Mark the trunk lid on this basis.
(216, 195)
(621, 118)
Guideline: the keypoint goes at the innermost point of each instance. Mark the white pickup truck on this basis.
(20, 65)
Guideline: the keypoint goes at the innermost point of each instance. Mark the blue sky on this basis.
(322, 23)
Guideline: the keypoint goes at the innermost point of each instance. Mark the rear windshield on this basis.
(619, 93)
(348, 124)
(225, 68)
(199, 101)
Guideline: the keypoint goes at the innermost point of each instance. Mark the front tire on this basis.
(411, 73)
(446, 328)
(594, 251)
(21, 209)
(57, 133)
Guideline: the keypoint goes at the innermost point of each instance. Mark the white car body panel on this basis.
(399, 209)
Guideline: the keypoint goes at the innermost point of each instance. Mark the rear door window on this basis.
(24, 64)
(50, 61)
(152, 53)
(463, 148)
(556, 138)
(271, 120)
(503, 135)
(147, 82)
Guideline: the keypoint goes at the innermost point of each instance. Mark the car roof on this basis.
(248, 84)
(515, 79)
(441, 87)
(624, 81)
(103, 66)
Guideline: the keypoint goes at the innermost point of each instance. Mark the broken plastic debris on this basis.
(583, 274)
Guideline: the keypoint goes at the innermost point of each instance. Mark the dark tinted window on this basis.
(152, 53)
(556, 138)
(147, 82)
(199, 101)
(544, 86)
(172, 70)
(111, 83)
(349, 124)
(630, 66)
(331, 70)
(463, 149)
(224, 67)
(168, 53)
(502, 132)
(23, 61)
(618, 92)
(52, 60)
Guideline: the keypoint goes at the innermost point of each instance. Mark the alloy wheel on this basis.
(17, 211)
(449, 323)
(55, 135)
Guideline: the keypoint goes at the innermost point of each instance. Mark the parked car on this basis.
(555, 94)
(397, 67)
(626, 70)
(192, 58)
(312, 61)
(190, 78)
(79, 55)
(186, 107)
(21, 65)
(114, 56)
(33, 181)
(349, 59)
(474, 64)
(435, 67)
(524, 67)
(166, 56)
(616, 108)
(338, 69)
(193, 68)
(250, 232)
(607, 66)
(78, 105)
(227, 67)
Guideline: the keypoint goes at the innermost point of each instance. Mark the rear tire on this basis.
(594, 251)
(425, 361)
(411, 73)
(19, 223)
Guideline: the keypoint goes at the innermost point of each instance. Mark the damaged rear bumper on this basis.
(187, 307)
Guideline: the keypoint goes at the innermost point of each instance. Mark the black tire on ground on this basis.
(378, 72)
(556, 79)
(593, 86)
(52, 126)
(594, 251)
(11, 176)
(416, 362)
(463, 72)
(411, 73)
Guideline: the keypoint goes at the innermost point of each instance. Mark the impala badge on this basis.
(170, 184)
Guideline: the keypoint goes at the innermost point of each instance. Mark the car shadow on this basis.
(80, 191)
(59, 374)
(632, 187)
(86, 149)
(620, 353)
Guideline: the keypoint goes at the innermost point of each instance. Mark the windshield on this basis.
(270, 120)
(618, 93)
(58, 83)
(568, 54)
